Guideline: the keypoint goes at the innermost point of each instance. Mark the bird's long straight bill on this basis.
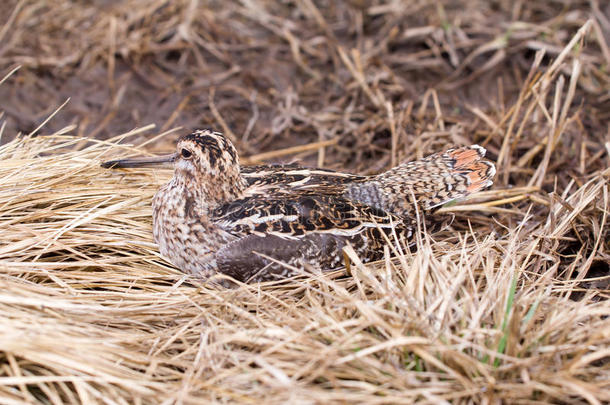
(139, 162)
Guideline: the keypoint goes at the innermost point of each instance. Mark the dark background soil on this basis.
(281, 74)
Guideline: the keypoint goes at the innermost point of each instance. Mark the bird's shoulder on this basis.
(295, 176)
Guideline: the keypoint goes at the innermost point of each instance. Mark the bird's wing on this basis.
(294, 215)
(296, 225)
(290, 229)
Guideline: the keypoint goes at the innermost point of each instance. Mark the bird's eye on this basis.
(186, 153)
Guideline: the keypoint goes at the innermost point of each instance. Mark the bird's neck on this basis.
(202, 196)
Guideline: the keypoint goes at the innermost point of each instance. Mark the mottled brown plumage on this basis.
(217, 216)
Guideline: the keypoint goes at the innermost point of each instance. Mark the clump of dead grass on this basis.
(91, 312)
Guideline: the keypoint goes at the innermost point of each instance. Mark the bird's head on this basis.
(205, 162)
(206, 154)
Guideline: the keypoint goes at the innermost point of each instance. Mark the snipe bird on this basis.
(245, 221)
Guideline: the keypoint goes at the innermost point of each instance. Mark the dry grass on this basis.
(91, 312)
(507, 304)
